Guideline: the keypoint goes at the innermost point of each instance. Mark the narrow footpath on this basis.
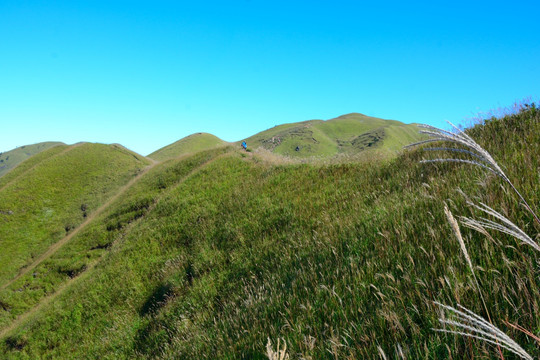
(56, 246)
(48, 299)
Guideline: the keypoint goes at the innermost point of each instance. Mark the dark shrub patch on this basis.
(15, 342)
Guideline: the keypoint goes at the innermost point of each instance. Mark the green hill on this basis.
(349, 134)
(53, 192)
(10, 159)
(189, 144)
(352, 136)
(212, 254)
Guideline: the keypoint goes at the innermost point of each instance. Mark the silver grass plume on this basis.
(460, 138)
(506, 226)
(481, 157)
(467, 323)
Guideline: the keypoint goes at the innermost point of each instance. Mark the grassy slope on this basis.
(10, 159)
(209, 255)
(31, 162)
(41, 199)
(347, 134)
(189, 144)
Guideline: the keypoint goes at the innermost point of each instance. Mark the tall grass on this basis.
(479, 156)
(208, 256)
(465, 321)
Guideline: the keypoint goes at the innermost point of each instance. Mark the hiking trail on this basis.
(57, 245)
(62, 287)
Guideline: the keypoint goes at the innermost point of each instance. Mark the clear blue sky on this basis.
(147, 73)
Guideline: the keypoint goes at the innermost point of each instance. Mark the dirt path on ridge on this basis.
(57, 245)
(48, 299)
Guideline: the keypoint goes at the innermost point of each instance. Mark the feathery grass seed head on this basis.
(472, 325)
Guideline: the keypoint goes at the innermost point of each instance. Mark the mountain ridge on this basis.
(215, 253)
(348, 134)
(10, 159)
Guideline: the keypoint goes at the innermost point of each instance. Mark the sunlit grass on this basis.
(468, 323)
(212, 254)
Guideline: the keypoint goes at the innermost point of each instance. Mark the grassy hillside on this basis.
(50, 194)
(189, 144)
(347, 137)
(10, 159)
(349, 134)
(211, 254)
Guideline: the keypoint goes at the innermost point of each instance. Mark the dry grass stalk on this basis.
(455, 227)
(279, 354)
(381, 353)
(523, 330)
(479, 328)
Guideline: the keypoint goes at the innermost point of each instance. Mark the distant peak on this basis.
(350, 115)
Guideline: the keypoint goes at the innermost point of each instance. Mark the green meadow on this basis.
(12, 158)
(216, 253)
(187, 145)
(51, 194)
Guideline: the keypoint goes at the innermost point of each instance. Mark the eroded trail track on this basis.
(67, 284)
(47, 300)
(54, 248)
